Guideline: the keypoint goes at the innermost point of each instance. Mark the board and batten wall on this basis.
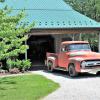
(58, 38)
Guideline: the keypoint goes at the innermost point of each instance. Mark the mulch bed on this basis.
(7, 74)
(3, 74)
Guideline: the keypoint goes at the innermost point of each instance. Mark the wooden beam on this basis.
(60, 31)
(26, 50)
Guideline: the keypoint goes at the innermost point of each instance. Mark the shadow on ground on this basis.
(37, 67)
(63, 73)
(80, 76)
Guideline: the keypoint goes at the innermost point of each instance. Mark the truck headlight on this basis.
(83, 64)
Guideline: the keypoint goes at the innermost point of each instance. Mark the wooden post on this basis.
(80, 37)
(73, 37)
(26, 50)
(57, 43)
(99, 43)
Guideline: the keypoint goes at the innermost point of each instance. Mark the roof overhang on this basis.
(63, 31)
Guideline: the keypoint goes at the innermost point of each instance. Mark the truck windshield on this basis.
(79, 47)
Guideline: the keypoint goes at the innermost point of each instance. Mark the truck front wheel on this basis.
(72, 71)
(50, 66)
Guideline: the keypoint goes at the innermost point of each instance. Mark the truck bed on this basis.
(51, 55)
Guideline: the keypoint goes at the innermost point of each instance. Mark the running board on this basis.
(62, 69)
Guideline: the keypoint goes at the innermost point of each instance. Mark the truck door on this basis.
(63, 57)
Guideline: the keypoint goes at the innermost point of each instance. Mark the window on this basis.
(80, 46)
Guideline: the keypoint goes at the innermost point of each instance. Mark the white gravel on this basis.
(84, 87)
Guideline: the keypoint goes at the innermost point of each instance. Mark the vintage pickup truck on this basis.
(75, 57)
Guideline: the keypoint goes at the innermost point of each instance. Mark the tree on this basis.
(90, 8)
(13, 34)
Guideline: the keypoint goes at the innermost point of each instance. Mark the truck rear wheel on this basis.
(50, 66)
(72, 71)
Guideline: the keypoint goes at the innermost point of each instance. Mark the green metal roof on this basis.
(51, 14)
(37, 4)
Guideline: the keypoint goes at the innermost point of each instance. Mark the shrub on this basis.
(22, 65)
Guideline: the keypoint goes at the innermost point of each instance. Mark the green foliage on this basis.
(2, 0)
(90, 8)
(92, 39)
(20, 64)
(12, 37)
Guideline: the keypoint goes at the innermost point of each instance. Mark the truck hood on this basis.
(84, 55)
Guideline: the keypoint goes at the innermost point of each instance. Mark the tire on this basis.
(50, 66)
(71, 70)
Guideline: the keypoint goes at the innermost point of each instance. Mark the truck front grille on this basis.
(92, 63)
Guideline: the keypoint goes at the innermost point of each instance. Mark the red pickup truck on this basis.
(74, 57)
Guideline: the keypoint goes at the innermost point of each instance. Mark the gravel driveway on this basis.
(84, 87)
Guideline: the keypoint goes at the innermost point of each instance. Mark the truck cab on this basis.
(74, 57)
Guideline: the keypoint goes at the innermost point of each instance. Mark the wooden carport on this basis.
(53, 17)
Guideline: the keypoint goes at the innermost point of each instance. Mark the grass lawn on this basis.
(27, 87)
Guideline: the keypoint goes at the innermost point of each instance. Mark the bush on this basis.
(22, 65)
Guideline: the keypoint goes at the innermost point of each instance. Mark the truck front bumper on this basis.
(92, 70)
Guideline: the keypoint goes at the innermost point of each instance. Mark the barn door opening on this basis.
(38, 47)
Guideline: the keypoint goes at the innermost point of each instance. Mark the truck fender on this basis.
(76, 64)
(53, 59)
(74, 61)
